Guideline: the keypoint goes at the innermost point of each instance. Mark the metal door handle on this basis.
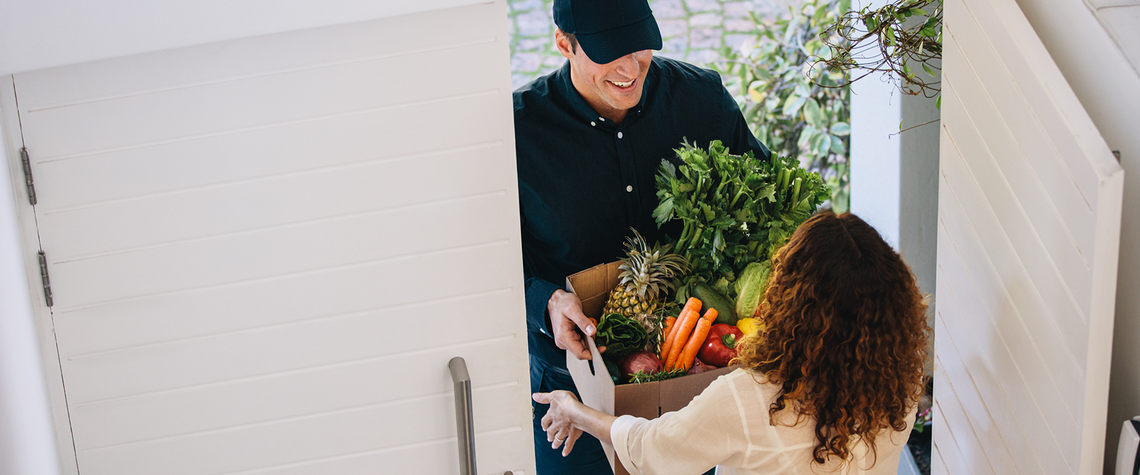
(464, 421)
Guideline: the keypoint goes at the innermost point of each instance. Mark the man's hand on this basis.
(569, 324)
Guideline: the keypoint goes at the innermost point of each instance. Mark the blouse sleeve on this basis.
(698, 437)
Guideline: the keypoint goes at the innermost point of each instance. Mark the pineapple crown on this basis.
(648, 269)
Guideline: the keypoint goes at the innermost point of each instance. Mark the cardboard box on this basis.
(598, 390)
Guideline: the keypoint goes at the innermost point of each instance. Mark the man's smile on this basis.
(624, 85)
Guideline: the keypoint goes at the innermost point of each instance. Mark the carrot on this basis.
(692, 305)
(697, 340)
(680, 336)
(669, 321)
(668, 344)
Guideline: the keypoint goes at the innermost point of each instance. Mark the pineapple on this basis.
(645, 272)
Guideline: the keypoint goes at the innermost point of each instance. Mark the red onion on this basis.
(643, 361)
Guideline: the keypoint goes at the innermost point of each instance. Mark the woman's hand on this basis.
(559, 419)
(567, 418)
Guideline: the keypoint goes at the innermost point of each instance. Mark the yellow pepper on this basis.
(749, 325)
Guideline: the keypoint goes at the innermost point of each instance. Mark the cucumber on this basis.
(710, 297)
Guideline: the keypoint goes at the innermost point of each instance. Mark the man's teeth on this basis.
(623, 84)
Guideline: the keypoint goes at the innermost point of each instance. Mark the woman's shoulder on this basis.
(743, 386)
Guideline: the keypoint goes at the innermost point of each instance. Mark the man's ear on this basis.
(563, 44)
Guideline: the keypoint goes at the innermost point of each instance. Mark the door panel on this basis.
(264, 252)
(1029, 226)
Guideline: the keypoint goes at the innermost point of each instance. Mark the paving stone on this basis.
(737, 9)
(525, 5)
(735, 41)
(739, 25)
(704, 38)
(675, 46)
(667, 9)
(703, 56)
(526, 62)
(695, 6)
(539, 44)
(550, 63)
(534, 23)
(671, 28)
(706, 20)
(518, 80)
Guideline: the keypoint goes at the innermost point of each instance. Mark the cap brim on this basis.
(606, 46)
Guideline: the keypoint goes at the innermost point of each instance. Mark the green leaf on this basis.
(664, 211)
(837, 146)
(928, 70)
(792, 104)
(820, 143)
(811, 112)
(840, 128)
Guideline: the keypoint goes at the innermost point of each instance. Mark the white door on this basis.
(1029, 225)
(263, 252)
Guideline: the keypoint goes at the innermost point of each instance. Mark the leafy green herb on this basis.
(735, 209)
(620, 335)
(643, 377)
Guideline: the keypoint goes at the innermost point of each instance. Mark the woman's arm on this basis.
(567, 418)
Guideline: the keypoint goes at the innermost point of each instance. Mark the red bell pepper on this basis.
(720, 346)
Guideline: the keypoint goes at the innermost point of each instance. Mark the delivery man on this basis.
(590, 138)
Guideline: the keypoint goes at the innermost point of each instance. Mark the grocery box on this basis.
(598, 390)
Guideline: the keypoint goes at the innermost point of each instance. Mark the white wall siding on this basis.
(1029, 215)
(267, 250)
(50, 33)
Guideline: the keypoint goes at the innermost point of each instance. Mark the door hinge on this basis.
(44, 278)
(28, 175)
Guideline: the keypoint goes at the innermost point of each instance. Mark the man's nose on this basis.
(627, 65)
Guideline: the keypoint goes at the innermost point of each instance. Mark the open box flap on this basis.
(596, 388)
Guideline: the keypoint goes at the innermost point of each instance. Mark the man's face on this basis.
(613, 88)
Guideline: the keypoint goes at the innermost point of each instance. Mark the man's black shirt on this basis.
(585, 181)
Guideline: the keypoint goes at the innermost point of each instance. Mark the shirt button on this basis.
(593, 124)
(628, 188)
(619, 135)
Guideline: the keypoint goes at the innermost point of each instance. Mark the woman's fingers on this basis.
(560, 432)
(570, 440)
(559, 436)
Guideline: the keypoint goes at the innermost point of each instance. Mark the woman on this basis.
(829, 385)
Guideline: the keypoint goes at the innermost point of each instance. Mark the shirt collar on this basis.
(565, 86)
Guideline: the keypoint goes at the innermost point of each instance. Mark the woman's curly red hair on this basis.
(844, 334)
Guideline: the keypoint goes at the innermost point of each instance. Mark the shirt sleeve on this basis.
(538, 292)
(742, 138)
(700, 436)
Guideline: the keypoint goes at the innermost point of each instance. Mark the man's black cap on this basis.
(608, 29)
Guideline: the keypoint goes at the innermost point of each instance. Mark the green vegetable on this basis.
(750, 288)
(711, 298)
(620, 335)
(735, 209)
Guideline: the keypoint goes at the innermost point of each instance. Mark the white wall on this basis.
(894, 170)
(46, 33)
(26, 441)
(1108, 86)
(876, 111)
